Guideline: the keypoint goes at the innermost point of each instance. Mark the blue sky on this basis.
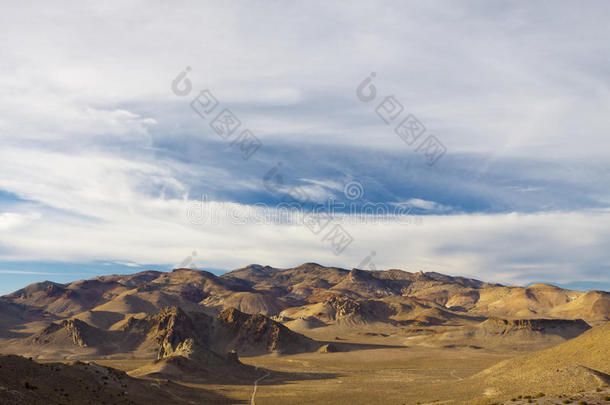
(102, 165)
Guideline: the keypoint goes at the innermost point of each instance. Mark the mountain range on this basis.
(191, 325)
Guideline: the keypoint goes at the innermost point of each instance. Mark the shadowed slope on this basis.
(580, 363)
(27, 382)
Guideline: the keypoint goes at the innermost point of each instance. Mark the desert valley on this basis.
(308, 334)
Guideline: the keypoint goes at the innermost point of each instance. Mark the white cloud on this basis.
(427, 205)
(85, 86)
(29, 272)
(11, 220)
(485, 79)
(504, 247)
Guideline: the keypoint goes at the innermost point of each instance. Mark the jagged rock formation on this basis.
(72, 331)
(169, 328)
(255, 334)
(341, 310)
(80, 332)
(350, 311)
(173, 332)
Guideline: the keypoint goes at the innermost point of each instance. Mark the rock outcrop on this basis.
(72, 331)
(256, 334)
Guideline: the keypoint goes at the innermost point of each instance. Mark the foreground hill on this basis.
(24, 381)
(580, 363)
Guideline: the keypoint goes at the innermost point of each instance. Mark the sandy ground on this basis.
(379, 368)
(395, 375)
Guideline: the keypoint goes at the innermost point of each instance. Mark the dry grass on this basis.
(383, 375)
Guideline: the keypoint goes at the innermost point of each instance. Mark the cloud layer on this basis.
(100, 160)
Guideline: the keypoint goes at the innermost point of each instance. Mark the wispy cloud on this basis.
(427, 205)
(31, 272)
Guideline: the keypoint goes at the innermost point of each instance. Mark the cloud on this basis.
(502, 94)
(11, 220)
(427, 205)
(29, 272)
(498, 247)
(103, 159)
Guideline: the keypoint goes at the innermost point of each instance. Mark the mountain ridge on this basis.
(270, 291)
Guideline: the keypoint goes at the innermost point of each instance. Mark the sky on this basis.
(116, 156)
